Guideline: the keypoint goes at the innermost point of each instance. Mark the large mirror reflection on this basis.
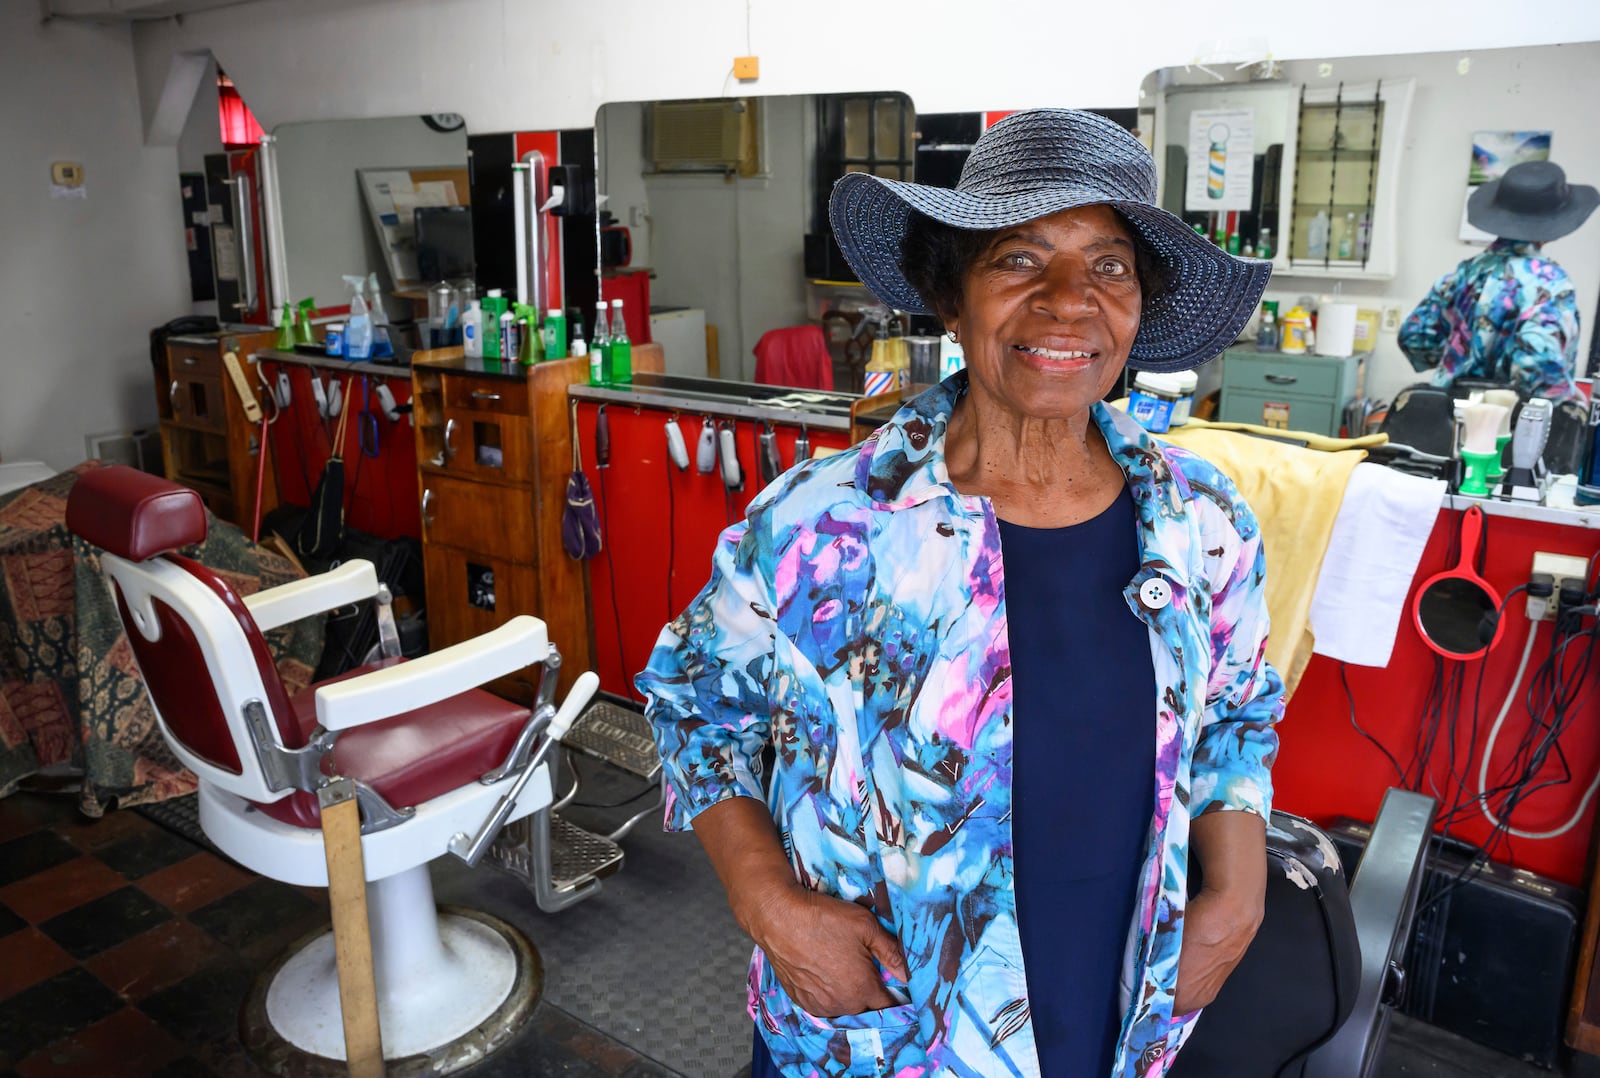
(387, 197)
(1354, 176)
(723, 203)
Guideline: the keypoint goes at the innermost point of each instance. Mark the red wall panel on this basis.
(659, 527)
(380, 492)
(1327, 769)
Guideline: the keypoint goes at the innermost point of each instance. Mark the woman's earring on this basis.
(952, 336)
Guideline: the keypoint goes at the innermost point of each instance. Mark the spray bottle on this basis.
(530, 348)
(302, 323)
(382, 348)
(285, 341)
(358, 327)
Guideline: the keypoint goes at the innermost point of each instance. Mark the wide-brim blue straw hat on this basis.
(1036, 163)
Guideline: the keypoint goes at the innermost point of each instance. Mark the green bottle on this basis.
(620, 348)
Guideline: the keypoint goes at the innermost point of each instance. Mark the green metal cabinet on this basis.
(1290, 392)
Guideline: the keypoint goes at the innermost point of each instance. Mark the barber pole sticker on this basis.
(879, 382)
(1275, 414)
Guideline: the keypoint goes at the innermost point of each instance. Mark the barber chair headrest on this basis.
(133, 514)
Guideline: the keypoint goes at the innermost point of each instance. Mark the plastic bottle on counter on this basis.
(619, 358)
(600, 347)
(555, 334)
(472, 331)
(1267, 328)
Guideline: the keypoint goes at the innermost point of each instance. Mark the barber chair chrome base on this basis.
(451, 990)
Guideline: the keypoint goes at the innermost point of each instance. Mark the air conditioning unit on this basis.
(719, 135)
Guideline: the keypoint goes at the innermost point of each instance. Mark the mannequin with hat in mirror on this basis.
(1508, 314)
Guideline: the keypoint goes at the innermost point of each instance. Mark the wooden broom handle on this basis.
(352, 934)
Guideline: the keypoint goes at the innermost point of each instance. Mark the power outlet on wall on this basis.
(1391, 318)
(1560, 567)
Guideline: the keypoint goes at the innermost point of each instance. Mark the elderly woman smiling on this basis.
(1007, 654)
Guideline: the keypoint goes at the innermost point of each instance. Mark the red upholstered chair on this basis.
(440, 766)
(794, 356)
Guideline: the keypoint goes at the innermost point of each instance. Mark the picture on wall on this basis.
(1222, 146)
(1493, 152)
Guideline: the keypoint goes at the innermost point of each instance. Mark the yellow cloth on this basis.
(1313, 441)
(1295, 494)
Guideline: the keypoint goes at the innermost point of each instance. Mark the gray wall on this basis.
(81, 282)
(326, 229)
(733, 247)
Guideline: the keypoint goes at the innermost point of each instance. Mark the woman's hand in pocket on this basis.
(825, 952)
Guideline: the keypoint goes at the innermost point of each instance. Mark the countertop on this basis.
(819, 409)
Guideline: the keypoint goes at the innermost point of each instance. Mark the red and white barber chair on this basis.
(433, 759)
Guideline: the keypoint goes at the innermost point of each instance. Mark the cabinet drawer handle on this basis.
(484, 395)
(190, 361)
(172, 395)
(449, 446)
(427, 500)
(1282, 379)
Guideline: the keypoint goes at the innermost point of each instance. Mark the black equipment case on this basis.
(1493, 950)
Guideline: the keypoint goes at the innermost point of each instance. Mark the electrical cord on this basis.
(1532, 762)
(1350, 696)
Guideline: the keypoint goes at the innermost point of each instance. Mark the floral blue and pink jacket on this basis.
(1507, 313)
(856, 622)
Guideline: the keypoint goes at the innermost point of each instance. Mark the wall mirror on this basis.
(1355, 171)
(723, 203)
(387, 196)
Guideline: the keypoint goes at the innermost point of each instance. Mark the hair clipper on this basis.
(802, 446)
(602, 439)
(676, 450)
(767, 454)
(706, 451)
(1523, 479)
(386, 402)
(732, 476)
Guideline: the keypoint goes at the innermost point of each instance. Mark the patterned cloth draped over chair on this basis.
(794, 356)
(70, 694)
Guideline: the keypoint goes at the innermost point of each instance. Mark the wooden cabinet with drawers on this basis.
(494, 451)
(207, 441)
(1306, 393)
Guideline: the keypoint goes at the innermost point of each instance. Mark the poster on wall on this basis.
(1493, 152)
(1222, 147)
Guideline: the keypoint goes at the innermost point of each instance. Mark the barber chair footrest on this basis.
(617, 735)
(578, 856)
(557, 860)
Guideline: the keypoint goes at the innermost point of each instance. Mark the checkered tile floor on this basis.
(127, 950)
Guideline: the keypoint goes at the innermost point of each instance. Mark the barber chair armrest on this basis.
(382, 694)
(1383, 900)
(352, 582)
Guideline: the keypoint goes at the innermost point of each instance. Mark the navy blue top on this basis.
(1083, 689)
(1083, 781)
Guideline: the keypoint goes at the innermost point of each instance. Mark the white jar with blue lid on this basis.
(1154, 399)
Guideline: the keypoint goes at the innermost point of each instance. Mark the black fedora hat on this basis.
(1036, 163)
(1533, 201)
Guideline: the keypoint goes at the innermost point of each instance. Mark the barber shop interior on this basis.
(560, 539)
